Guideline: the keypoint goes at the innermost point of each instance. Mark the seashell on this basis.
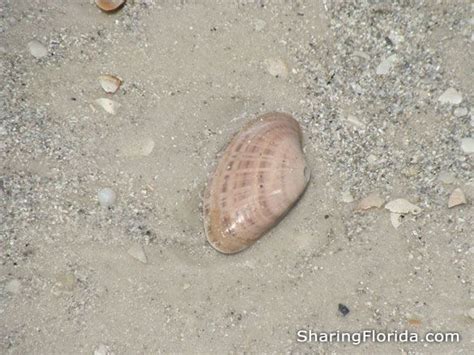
(402, 206)
(109, 83)
(456, 198)
(396, 219)
(109, 5)
(261, 174)
(108, 105)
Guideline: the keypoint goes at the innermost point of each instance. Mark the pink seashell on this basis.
(261, 174)
(109, 5)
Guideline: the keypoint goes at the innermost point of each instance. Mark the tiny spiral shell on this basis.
(261, 174)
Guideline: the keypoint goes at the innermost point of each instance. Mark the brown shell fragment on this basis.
(261, 174)
(109, 5)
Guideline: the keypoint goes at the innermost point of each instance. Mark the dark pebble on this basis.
(343, 309)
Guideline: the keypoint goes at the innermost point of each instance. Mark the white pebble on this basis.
(387, 64)
(450, 96)
(276, 67)
(37, 49)
(460, 112)
(467, 145)
(107, 197)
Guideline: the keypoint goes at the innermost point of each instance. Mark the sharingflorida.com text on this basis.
(356, 338)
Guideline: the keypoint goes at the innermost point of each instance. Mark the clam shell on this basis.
(110, 83)
(456, 198)
(109, 5)
(259, 177)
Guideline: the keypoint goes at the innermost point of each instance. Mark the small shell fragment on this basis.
(140, 147)
(110, 83)
(136, 251)
(37, 49)
(402, 206)
(450, 96)
(109, 5)
(373, 200)
(386, 65)
(456, 198)
(276, 67)
(396, 219)
(107, 197)
(108, 105)
(467, 145)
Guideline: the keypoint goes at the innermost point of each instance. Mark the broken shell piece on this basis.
(346, 196)
(261, 174)
(108, 105)
(456, 198)
(371, 201)
(141, 147)
(451, 96)
(37, 49)
(402, 206)
(110, 83)
(396, 219)
(109, 5)
(136, 251)
(276, 67)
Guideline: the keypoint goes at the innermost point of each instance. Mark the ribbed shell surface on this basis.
(259, 177)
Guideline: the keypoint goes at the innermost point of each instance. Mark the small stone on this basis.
(373, 200)
(402, 206)
(467, 145)
(450, 96)
(460, 112)
(276, 67)
(343, 309)
(137, 252)
(456, 198)
(396, 219)
(107, 197)
(346, 196)
(386, 65)
(108, 105)
(37, 49)
(13, 286)
(446, 177)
